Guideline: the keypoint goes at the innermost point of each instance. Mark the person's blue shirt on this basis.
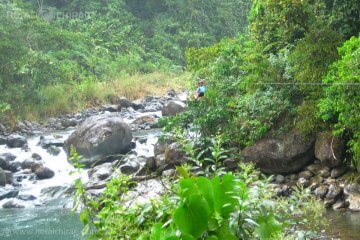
(201, 89)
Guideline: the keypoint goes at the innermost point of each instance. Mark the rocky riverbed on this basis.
(34, 170)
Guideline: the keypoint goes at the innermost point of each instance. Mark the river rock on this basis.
(71, 122)
(174, 154)
(340, 204)
(9, 177)
(306, 174)
(352, 196)
(321, 191)
(53, 150)
(8, 193)
(29, 163)
(15, 167)
(111, 108)
(2, 177)
(334, 192)
(130, 167)
(12, 204)
(279, 179)
(99, 137)
(3, 140)
(46, 142)
(287, 153)
(56, 192)
(137, 105)
(2, 129)
(44, 173)
(304, 182)
(146, 119)
(160, 160)
(329, 149)
(314, 168)
(16, 141)
(101, 172)
(4, 163)
(338, 172)
(26, 197)
(173, 108)
(124, 102)
(36, 156)
(325, 172)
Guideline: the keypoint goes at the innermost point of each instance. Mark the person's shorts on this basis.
(200, 94)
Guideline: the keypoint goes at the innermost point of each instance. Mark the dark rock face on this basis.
(285, 154)
(16, 141)
(124, 102)
(99, 137)
(329, 149)
(173, 108)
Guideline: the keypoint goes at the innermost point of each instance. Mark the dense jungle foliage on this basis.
(298, 65)
(76, 44)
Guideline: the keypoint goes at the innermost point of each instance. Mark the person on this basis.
(200, 92)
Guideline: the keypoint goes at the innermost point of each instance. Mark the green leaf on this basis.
(192, 217)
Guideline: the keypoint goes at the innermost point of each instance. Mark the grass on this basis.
(66, 98)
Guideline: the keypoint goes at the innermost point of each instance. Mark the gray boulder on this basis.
(285, 154)
(173, 108)
(137, 105)
(329, 150)
(124, 102)
(2, 177)
(352, 195)
(111, 108)
(174, 154)
(99, 137)
(53, 150)
(16, 141)
(46, 142)
(3, 140)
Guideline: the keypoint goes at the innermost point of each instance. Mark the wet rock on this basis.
(66, 123)
(352, 196)
(314, 168)
(293, 177)
(36, 156)
(111, 108)
(174, 154)
(15, 167)
(340, 204)
(304, 182)
(2, 177)
(305, 174)
(173, 108)
(284, 154)
(29, 163)
(3, 140)
(137, 105)
(169, 173)
(8, 193)
(150, 163)
(129, 167)
(16, 141)
(53, 150)
(329, 150)
(171, 93)
(44, 173)
(48, 142)
(328, 203)
(2, 129)
(9, 177)
(338, 172)
(99, 137)
(280, 179)
(160, 160)
(321, 191)
(334, 192)
(325, 172)
(147, 119)
(283, 191)
(56, 192)
(4, 163)
(26, 197)
(317, 179)
(124, 102)
(12, 204)
(101, 172)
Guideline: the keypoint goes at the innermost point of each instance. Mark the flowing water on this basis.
(49, 216)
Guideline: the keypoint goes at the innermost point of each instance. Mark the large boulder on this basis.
(99, 137)
(173, 108)
(352, 195)
(329, 149)
(16, 141)
(44, 172)
(284, 154)
(3, 180)
(174, 154)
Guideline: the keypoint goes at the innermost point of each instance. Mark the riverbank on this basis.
(62, 99)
